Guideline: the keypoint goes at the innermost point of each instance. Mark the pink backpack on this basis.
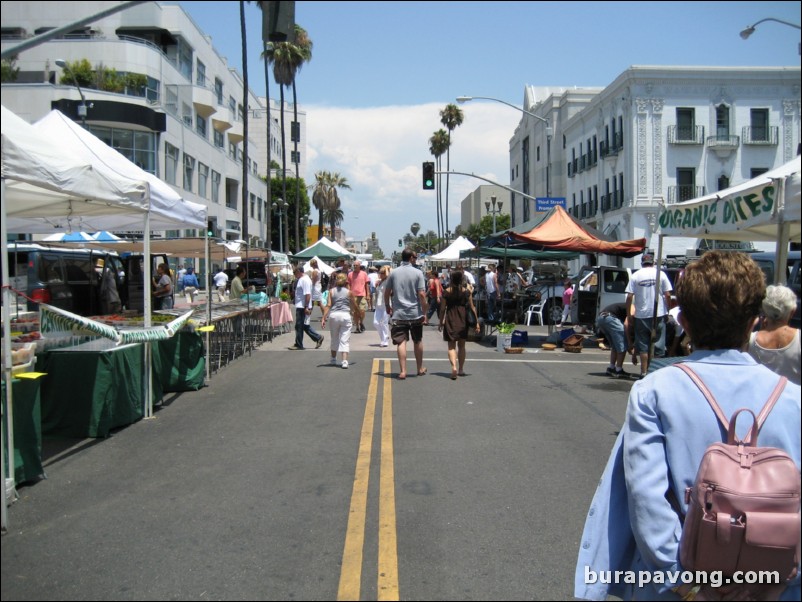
(744, 507)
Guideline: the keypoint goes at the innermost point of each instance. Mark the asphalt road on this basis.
(289, 479)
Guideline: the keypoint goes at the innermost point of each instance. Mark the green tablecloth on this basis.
(87, 393)
(27, 429)
(179, 363)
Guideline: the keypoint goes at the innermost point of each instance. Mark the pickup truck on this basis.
(595, 288)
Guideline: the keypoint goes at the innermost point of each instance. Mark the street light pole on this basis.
(748, 31)
(495, 211)
(279, 208)
(549, 131)
(82, 108)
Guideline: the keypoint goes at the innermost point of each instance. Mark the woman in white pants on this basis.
(337, 311)
(380, 319)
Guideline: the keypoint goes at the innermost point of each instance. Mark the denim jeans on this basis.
(301, 328)
(491, 308)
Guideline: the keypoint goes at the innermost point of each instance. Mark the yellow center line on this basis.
(388, 549)
(351, 571)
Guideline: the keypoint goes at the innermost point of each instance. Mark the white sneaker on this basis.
(333, 361)
(345, 364)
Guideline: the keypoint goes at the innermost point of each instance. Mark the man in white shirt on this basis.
(221, 281)
(492, 292)
(640, 291)
(303, 309)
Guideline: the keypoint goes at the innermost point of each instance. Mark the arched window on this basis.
(723, 182)
(722, 122)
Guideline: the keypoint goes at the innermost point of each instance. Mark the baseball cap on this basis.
(647, 259)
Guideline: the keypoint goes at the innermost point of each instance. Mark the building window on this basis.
(200, 126)
(723, 182)
(170, 163)
(203, 179)
(232, 106)
(723, 123)
(200, 74)
(686, 183)
(185, 59)
(685, 123)
(757, 171)
(759, 120)
(215, 187)
(138, 147)
(218, 90)
(219, 139)
(189, 171)
(252, 205)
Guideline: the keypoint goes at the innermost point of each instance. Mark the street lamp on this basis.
(82, 107)
(751, 28)
(495, 211)
(280, 207)
(549, 131)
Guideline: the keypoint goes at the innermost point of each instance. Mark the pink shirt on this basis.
(567, 296)
(357, 281)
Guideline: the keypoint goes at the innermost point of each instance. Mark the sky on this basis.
(381, 72)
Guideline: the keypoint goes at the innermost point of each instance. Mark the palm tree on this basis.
(451, 117)
(326, 199)
(438, 144)
(287, 59)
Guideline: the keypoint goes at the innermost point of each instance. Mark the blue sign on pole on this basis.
(544, 203)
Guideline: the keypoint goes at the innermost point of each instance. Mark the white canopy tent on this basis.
(765, 208)
(452, 251)
(65, 178)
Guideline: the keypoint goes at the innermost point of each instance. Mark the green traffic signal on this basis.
(428, 175)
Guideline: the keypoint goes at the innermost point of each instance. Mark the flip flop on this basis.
(422, 371)
(402, 376)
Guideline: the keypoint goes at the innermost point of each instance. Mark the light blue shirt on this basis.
(669, 425)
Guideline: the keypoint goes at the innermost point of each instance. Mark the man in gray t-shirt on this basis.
(405, 299)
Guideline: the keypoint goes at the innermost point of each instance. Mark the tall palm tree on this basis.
(438, 145)
(287, 59)
(326, 199)
(452, 118)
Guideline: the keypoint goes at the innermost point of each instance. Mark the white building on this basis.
(655, 135)
(168, 101)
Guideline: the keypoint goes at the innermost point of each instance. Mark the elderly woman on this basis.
(777, 344)
(634, 522)
(340, 304)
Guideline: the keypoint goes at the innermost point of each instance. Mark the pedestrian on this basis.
(237, 285)
(360, 285)
(179, 278)
(568, 290)
(612, 322)
(492, 292)
(777, 344)
(109, 295)
(340, 304)
(191, 284)
(317, 288)
(163, 288)
(641, 291)
(380, 319)
(303, 311)
(453, 314)
(405, 299)
(434, 292)
(373, 280)
(220, 282)
(635, 518)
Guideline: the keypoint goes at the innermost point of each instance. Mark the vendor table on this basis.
(179, 363)
(282, 316)
(27, 429)
(92, 388)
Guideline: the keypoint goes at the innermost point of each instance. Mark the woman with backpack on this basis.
(636, 518)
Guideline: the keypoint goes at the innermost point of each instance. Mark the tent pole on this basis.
(783, 233)
(657, 267)
(209, 289)
(8, 475)
(147, 289)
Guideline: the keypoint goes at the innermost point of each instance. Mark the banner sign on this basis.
(544, 203)
(720, 214)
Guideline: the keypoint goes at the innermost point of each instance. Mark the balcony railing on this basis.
(694, 134)
(684, 192)
(723, 141)
(764, 135)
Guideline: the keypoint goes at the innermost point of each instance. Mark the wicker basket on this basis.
(573, 344)
(513, 350)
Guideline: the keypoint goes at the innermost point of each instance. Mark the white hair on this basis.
(779, 302)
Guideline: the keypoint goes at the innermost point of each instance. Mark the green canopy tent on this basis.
(324, 249)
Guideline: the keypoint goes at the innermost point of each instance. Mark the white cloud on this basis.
(380, 151)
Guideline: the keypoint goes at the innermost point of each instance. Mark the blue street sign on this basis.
(544, 203)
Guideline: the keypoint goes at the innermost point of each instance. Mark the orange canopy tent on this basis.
(560, 232)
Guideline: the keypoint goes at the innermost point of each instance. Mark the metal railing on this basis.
(694, 134)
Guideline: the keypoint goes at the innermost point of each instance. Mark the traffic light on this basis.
(428, 175)
(400, 243)
(211, 230)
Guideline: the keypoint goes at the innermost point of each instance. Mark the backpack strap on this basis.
(758, 421)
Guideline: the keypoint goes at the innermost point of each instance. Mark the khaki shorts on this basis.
(361, 303)
(402, 330)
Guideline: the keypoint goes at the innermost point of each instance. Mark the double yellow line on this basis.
(351, 572)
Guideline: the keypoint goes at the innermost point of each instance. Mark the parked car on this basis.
(595, 288)
(768, 263)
